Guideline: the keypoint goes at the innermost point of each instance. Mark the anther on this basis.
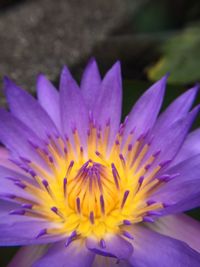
(88, 132)
(78, 205)
(13, 179)
(115, 175)
(130, 146)
(45, 151)
(156, 153)
(148, 219)
(132, 131)
(91, 117)
(128, 235)
(102, 204)
(46, 184)
(102, 244)
(127, 222)
(70, 238)
(51, 159)
(147, 167)
(27, 206)
(125, 120)
(55, 210)
(122, 160)
(165, 163)
(25, 160)
(19, 164)
(35, 146)
(8, 195)
(97, 153)
(99, 135)
(17, 212)
(108, 122)
(92, 217)
(153, 213)
(70, 167)
(117, 143)
(81, 150)
(150, 202)
(20, 184)
(32, 173)
(141, 137)
(164, 177)
(41, 233)
(65, 150)
(126, 193)
(65, 186)
(99, 181)
(141, 179)
(73, 128)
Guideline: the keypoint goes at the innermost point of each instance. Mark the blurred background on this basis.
(150, 38)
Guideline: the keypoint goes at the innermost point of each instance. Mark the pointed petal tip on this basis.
(159, 86)
(66, 75)
(196, 87)
(196, 110)
(165, 78)
(117, 65)
(7, 81)
(41, 76)
(40, 79)
(168, 74)
(91, 68)
(92, 61)
(65, 70)
(193, 91)
(9, 86)
(114, 72)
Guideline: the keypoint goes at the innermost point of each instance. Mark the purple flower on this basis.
(81, 189)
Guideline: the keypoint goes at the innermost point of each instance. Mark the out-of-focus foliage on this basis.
(181, 57)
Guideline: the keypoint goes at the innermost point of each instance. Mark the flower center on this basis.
(90, 191)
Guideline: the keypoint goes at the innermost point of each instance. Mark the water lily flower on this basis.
(78, 188)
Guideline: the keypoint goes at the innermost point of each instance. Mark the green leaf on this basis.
(181, 57)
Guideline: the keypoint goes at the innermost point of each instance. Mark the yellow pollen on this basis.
(91, 191)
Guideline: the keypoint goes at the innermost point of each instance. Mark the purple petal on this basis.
(9, 186)
(177, 109)
(28, 110)
(74, 114)
(101, 261)
(115, 246)
(4, 160)
(109, 104)
(6, 207)
(90, 84)
(19, 230)
(75, 255)
(191, 147)
(26, 256)
(183, 192)
(48, 98)
(181, 227)
(144, 113)
(168, 140)
(154, 250)
(16, 136)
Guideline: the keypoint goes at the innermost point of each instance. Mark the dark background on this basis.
(150, 38)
